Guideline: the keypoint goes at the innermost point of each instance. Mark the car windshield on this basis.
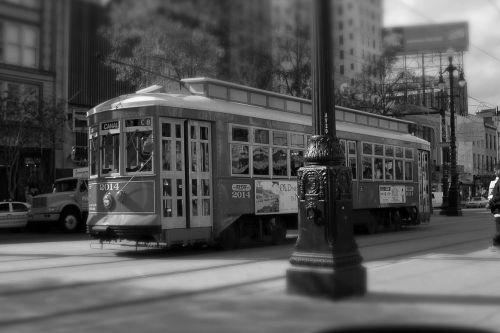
(65, 185)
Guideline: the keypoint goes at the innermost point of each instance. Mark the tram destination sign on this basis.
(110, 125)
(138, 122)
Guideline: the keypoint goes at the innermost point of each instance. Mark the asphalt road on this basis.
(60, 283)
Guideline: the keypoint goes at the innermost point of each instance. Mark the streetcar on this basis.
(218, 165)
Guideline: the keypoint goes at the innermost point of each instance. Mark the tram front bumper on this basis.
(127, 227)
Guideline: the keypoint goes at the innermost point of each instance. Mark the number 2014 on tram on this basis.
(218, 165)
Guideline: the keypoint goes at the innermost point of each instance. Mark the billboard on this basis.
(275, 196)
(429, 38)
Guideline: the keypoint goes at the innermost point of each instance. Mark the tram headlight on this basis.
(107, 200)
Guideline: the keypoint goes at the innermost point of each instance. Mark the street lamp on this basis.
(445, 148)
(326, 260)
(453, 208)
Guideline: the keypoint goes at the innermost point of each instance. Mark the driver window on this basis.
(139, 145)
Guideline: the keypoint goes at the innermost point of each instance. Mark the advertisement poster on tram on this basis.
(275, 196)
(390, 194)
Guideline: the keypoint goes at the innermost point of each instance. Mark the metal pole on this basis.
(326, 260)
(454, 208)
(445, 157)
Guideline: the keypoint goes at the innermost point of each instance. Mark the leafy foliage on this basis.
(293, 60)
(160, 41)
(26, 122)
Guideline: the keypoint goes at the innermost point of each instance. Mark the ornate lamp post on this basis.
(453, 208)
(445, 151)
(326, 261)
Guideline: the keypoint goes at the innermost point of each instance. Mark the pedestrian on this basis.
(494, 201)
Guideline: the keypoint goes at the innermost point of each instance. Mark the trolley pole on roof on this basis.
(326, 261)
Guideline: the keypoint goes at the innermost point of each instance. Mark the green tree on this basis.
(26, 122)
(377, 87)
(293, 58)
(160, 41)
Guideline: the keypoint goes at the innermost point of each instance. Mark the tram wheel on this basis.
(278, 233)
(69, 221)
(230, 238)
(372, 226)
(396, 220)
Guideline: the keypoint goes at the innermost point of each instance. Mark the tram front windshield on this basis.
(137, 158)
(129, 142)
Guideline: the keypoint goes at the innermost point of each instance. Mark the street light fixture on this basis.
(453, 208)
(444, 148)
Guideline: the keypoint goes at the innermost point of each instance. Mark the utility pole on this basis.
(326, 261)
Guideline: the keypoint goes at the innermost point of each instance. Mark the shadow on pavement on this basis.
(406, 329)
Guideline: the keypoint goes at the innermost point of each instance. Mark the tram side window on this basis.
(409, 164)
(110, 153)
(296, 155)
(378, 165)
(260, 154)
(367, 168)
(280, 163)
(351, 158)
(388, 163)
(408, 170)
(239, 159)
(399, 169)
(367, 161)
(260, 157)
(296, 160)
(137, 159)
(94, 153)
(264, 152)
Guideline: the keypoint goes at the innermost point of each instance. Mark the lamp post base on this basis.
(453, 211)
(326, 282)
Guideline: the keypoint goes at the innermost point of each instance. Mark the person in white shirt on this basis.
(494, 201)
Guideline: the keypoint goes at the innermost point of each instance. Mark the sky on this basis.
(482, 60)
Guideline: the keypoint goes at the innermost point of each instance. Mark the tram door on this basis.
(185, 152)
(172, 174)
(200, 161)
(423, 177)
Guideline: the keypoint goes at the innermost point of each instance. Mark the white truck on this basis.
(67, 206)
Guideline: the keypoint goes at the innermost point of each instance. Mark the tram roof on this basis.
(346, 120)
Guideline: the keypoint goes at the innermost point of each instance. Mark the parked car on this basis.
(14, 214)
(476, 202)
(437, 199)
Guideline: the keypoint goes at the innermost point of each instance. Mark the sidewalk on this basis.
(454, 292)
(456, 286)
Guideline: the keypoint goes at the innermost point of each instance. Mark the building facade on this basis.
(48, 57)
(33, 63)
(357, 33)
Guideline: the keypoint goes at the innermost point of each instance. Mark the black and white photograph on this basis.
(288, 166)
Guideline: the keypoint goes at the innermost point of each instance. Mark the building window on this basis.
(341, 69)
(17, 97)
(19, 44)
(341, 54)
(25, 3)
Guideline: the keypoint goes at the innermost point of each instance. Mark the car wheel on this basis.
(69, 221)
